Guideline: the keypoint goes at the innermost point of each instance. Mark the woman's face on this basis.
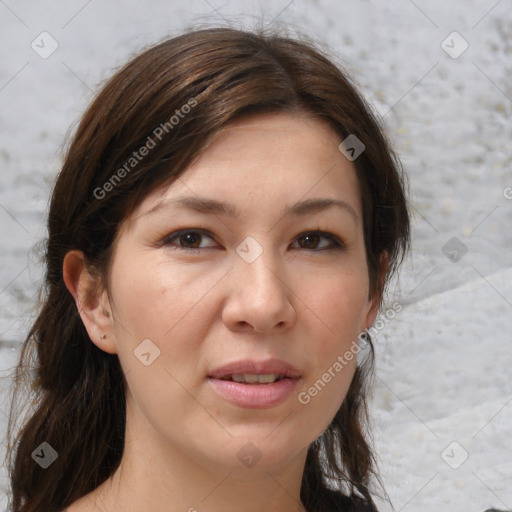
(226, 267)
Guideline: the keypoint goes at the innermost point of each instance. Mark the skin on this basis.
(204, 308)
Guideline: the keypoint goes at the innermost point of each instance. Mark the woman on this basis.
(220, 237)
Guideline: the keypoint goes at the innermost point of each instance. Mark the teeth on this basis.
(251, 378)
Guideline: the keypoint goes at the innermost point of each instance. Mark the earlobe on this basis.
(372, 312)
(91, 300)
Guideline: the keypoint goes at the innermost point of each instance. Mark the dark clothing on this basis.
(338, 502)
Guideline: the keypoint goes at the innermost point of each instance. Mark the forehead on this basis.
(266, 161)
(285, 130)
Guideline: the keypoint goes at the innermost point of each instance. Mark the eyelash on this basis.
(336, 243)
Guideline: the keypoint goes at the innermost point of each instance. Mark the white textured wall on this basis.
(444, 361)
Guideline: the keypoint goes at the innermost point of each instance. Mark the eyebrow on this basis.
(214, 207)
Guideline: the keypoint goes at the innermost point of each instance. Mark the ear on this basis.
(377, 296)
(91, 300)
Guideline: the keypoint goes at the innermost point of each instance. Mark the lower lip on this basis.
(254, 396)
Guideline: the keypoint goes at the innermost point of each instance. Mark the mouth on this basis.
(253, 384)
(253, 372)
(253, 378)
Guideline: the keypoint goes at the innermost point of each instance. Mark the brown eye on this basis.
(312, 239)
(187, 239)
(190, 239)
(315, 241)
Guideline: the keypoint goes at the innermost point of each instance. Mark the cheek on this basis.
(164, 303)
(335, 316)
(338, 301)
(149, 296)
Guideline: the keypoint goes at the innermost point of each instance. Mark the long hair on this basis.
(175, 96)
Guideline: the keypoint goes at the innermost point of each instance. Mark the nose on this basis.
(259, 297)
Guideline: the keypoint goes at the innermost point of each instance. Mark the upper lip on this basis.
(256, 368)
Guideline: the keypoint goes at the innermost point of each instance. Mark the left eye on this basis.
(313, 238)
(310, 240)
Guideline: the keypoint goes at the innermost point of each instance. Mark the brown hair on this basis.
(222, 74)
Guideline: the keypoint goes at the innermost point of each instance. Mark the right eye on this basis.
(187, 239)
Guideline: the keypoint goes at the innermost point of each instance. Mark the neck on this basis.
(156, 475)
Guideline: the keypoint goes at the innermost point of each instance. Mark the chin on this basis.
(258, 452)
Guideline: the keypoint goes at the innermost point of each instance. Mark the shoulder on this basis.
(360, 505)
(352, 503)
